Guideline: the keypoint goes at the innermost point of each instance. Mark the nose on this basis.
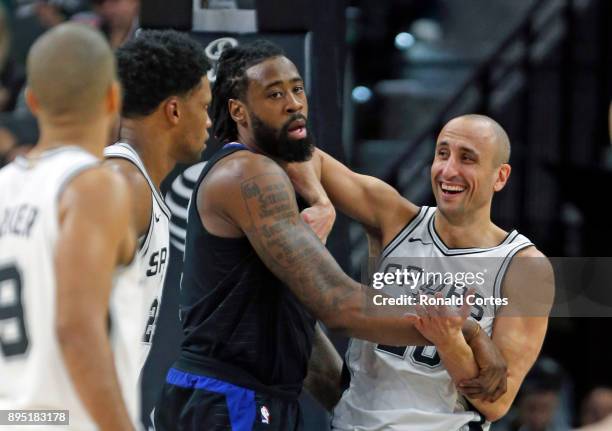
(450, 168)
(294, 103)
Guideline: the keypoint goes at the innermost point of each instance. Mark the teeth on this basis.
(452, 188)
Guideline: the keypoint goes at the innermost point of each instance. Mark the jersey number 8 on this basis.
(13, 334)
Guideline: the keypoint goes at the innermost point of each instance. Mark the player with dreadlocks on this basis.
(255, 275)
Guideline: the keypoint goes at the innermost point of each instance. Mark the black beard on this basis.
(277, 144)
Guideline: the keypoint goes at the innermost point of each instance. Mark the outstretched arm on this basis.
(368, 200)
(254, 194)
(94, 210)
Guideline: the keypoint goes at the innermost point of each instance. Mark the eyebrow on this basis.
(280, 82)
(462, 147)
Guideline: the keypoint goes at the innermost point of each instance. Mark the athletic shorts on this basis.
(191, 402)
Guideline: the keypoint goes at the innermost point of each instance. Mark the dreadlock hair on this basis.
(232, 82)
(155, 65)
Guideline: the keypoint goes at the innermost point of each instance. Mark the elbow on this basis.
(73, 334)
(494, 411)
(67, 333)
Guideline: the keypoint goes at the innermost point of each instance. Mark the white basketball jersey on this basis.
(408, 388)
(153, 253)
(32, 370)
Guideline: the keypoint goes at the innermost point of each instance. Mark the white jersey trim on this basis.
(501, 274)
(461, 251)
(399, 238)
(131, 155)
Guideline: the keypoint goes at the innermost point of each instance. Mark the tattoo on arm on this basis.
(273, 225)
(292, 250)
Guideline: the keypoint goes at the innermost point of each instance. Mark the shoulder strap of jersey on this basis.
(224, 151)
(124, 151)
(518, 243)
(412, 224)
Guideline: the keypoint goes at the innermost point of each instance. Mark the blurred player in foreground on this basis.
(67, 337)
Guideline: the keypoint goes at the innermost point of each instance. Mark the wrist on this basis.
(449, 341)
(470, 330)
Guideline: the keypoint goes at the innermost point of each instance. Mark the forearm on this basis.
(458, 359)
(306, 179)
(323, 380)
(85, 347)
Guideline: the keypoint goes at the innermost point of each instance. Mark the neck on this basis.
(151, 144)
(249, 141)
(476, 231)
(89, 135)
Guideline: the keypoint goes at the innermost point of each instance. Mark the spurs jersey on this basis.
(408, 388)
(152, 253)
(32, 371)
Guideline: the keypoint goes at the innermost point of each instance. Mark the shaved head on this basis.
(70, 69)
(491, 130)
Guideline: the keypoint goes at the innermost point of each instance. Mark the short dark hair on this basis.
(155, 65)
(232, 82)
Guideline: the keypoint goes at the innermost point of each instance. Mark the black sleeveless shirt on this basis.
(240, 323)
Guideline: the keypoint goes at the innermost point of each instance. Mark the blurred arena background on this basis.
(383, 77)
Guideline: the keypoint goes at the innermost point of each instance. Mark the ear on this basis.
(31, 101)
(113, 99)
(172, 110)
(237, 111)
(503, 174)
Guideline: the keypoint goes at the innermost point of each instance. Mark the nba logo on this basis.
(265, 415)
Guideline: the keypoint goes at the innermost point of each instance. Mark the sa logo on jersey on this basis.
(157, 262)
(265, 415)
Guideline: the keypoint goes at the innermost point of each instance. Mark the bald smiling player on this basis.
(64, 234)
(413, 388)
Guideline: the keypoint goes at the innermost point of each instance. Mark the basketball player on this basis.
(254, 272)
(164, 120)
(66, 336)
(410, 388)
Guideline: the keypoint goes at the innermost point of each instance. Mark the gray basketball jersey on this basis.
(408, 388)
(153, 253)
(32, 370)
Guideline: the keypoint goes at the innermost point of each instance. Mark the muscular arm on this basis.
(323, 380)
(368, 200)
(94, 225)
(255, 194)
(519, 327)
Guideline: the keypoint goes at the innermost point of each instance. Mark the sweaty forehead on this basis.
(272, 70)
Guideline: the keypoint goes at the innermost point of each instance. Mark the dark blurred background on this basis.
(383, 77)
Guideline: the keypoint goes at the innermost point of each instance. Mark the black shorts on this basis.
(191, 402)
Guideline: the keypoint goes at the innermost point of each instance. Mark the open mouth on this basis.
(452, 189)
(297, 129)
